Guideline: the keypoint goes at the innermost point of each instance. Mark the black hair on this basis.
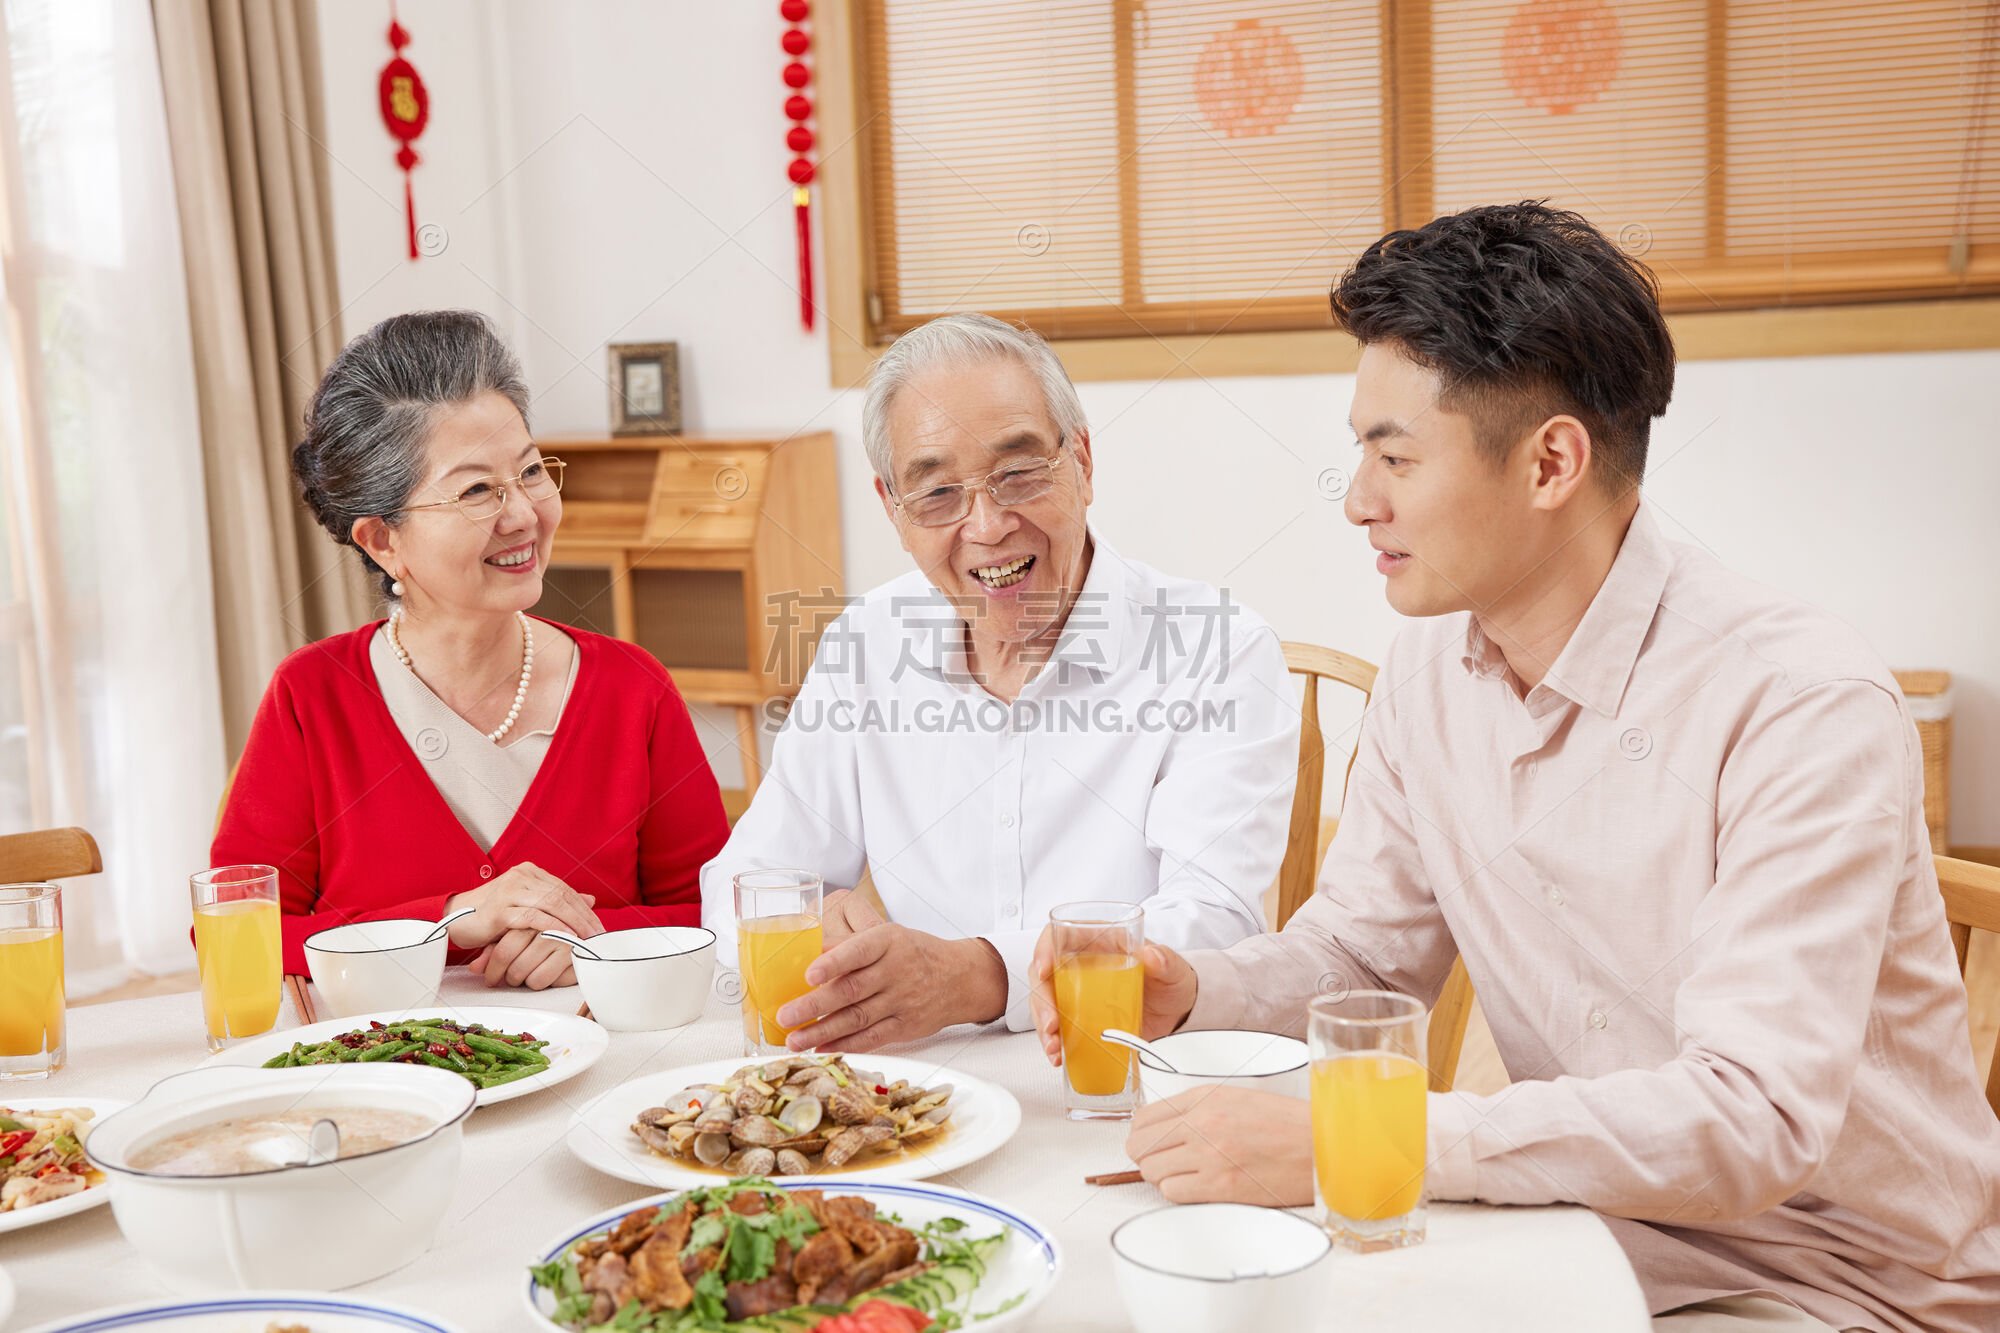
(1524, 312)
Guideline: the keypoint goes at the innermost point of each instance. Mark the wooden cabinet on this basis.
(718, 555)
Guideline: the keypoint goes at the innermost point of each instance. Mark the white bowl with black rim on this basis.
(369, 967)
(1197, 1267)
(647, 978)
(1261, 1061)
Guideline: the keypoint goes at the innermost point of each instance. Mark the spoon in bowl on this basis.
(1138, 1043)
(564, 937)
(445, 924)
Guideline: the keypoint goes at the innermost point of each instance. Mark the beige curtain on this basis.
(241, 80)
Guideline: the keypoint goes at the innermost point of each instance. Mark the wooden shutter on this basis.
(1108, 167)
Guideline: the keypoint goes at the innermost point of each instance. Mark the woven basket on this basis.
(1929, 696)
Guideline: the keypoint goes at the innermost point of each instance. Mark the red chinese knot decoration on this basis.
(799, 109)
(406, 109)
(1248, 79)
(1560, 54)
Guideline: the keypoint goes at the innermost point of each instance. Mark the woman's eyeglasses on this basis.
(1016, 483)
(486, 497)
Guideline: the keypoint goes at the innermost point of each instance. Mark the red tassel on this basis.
(802, 206)
(410, 211)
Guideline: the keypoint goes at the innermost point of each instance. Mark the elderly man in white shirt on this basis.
(1026, 719)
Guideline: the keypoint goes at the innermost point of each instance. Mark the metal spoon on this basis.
(564, 937)
(1138, 1043)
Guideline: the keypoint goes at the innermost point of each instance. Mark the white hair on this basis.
(959, 340)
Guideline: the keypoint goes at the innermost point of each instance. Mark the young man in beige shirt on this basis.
(1672, 821)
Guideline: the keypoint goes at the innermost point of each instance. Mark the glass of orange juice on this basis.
(777, 937)
(31, 980)
(1099, 984)
(1368, 1088)
(236, 947)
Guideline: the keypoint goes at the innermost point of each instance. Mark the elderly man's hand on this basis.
(1170, 992)
(1226, 1145)
(879, 983)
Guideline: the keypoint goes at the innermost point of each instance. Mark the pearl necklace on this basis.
(527, 667)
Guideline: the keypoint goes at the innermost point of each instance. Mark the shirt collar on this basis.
(1596, 664)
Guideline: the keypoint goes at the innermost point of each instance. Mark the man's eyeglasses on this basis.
(486, 497)
(1017, 483)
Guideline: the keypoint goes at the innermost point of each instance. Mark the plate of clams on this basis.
(876, 1116)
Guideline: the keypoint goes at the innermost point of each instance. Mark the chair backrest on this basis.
(1300, 869)
(52, 853)
(1305, 847)
(1972, 902)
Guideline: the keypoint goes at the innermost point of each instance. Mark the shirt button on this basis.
(1555, 895)
(1006, 821)
(486, 872)
(1010, 911)
(1597, 1019)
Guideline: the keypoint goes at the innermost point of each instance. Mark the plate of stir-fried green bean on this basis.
(507, 1053)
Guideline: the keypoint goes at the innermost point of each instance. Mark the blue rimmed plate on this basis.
(252, 1312)
(1019, 1276)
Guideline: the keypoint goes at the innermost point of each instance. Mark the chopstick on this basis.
(1116, 1178)
(301, 1000)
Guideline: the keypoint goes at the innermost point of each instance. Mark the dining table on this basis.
(520, 1188)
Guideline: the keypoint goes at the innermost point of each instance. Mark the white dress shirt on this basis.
(1152, 759)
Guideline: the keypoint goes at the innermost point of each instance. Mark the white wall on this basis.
(615, 172)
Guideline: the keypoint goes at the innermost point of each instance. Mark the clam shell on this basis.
(805, 1143)
(807, 1072)
(711, 1149)
(802, 1115)
(918, 1129)
(822, 1085)
(851, 1106)
(937, 1115)
(756, 1131)
(843, 1145)
(753, 1098)
(792, 1162)
(681, 1136)
(716, 1114)
(902, 1092)
(758, 1162)
(655, 1138)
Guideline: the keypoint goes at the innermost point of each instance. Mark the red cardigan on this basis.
(328, 791)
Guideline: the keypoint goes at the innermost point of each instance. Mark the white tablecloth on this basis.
(1495, 1269)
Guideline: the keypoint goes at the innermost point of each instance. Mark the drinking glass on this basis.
(777, 937)
(1368, 1089)
(1099, 983)
(31, 980)
(237, 949)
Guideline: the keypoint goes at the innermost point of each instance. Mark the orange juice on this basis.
(1368, 1134)
(773, 953)
(31, 990)
(1095, 991)
(236, 947)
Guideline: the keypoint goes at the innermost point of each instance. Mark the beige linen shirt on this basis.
(1691, 882)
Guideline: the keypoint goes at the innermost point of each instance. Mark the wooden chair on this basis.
(1972, 902)
(55, 853)
(1305, 847)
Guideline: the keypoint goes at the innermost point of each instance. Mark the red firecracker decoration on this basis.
(799, 109)
(1560, 54)
(406, 109)
(1248, 79)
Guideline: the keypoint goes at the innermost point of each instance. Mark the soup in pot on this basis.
(245, 1144)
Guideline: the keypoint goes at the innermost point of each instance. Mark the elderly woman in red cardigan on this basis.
(463, 753)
